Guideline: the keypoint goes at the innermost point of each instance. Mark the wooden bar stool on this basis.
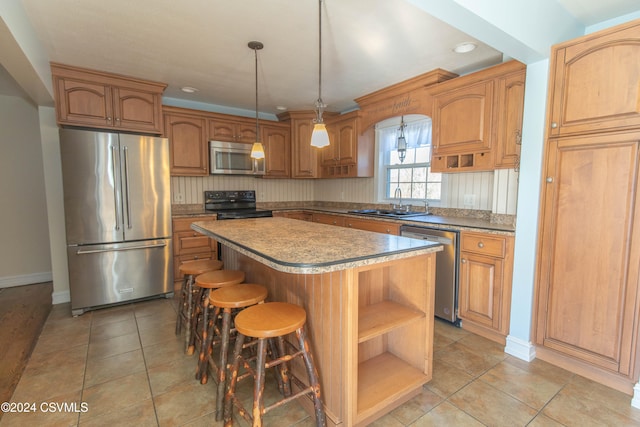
(265, 321)
(228, 300)
(205, 283)
(189, 271)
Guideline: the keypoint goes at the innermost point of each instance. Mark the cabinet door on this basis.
(595, 83)
(82, 103)
(230, 131)
(510, 106)
(188, 144)
(588, 278)
(277, 147)
(304, 157)
(480, 289)
(462, 119)
(137, 110)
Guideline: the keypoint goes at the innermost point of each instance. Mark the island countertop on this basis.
(302, 247)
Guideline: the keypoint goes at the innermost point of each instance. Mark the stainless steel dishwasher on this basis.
(446, 298)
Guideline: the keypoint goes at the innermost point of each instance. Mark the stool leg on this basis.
(206, 348)
(312, 372)
(222, 366)
(181, 305)
(258, 387)
(283, 369)
(191, 342)
(233, 379)
(190, 313)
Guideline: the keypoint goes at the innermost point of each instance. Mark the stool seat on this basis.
(201, 266)
(272, 319)
(238, 296)
(219, 278)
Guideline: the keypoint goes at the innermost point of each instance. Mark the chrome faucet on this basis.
(398, 195)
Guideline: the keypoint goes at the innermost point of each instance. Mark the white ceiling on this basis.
(367, 45)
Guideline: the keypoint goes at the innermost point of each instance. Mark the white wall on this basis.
(24, 246)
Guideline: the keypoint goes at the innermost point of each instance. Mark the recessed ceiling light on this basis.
(189, 89)
(465, 47)
(281, 108)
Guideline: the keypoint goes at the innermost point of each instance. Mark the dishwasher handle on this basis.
(428, 237)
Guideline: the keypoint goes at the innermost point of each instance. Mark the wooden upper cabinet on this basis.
(277, 148)
(94, 99)
(304, 157)
(595, 82)
(510, 106)
(188, 143)
(477, 120)
(232, 131)
(351, 152)
(462, 119)
(343, 135)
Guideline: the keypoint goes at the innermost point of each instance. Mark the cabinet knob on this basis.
(108, 119)
(549, 179)
(480, 245)
(554, 125)
(464, 261)
(349, 225)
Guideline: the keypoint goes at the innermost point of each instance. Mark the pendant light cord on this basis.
(319, 103)
(255, 51)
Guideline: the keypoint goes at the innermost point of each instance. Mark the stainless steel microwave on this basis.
(233, 158)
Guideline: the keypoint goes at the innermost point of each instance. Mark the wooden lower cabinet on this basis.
(486, 270)
(189, 245)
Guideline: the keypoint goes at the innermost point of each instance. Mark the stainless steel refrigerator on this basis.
(118, 217)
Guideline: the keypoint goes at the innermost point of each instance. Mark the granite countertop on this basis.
(302, 247)
(436, 221)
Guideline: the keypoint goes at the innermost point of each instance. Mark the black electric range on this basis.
(234, 204)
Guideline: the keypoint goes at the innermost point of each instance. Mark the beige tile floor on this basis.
(128, 369)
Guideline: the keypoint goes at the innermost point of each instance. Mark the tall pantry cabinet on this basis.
(587, 279)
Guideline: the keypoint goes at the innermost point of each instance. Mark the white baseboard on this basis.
(60, 297)
(635, 402)
(521, 349)
(25, 279)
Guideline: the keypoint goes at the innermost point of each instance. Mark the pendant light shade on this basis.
(401, 145)
(257, 149)
(319, 136)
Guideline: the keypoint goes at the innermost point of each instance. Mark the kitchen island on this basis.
(369, 303)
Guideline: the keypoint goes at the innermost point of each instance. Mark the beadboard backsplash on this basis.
(492, 191)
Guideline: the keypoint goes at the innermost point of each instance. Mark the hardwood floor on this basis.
(23, 312)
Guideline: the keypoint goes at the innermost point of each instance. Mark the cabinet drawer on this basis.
(483, 244)
(375, 226)
(188, 242)
(184, 224)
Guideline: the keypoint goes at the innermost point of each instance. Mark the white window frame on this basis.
(384, 162)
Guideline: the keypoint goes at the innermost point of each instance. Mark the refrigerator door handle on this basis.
(129, 248)
(116, 204)
(126, 185)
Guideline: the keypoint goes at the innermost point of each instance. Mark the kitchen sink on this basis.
(394, 213)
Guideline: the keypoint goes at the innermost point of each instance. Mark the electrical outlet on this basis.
(342, 195)
(178, 197)
(469, 200)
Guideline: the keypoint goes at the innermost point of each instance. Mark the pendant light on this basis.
(319, 136)
(401, 145)
(257, 149)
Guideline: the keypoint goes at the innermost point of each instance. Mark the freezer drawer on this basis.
(115, 273)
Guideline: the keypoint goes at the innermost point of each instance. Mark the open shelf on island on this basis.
(385, 316)
(383, 380)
